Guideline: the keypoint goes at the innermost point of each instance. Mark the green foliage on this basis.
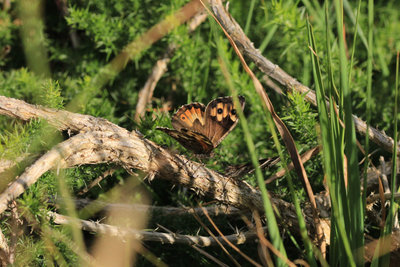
(30, 252)
(24, 85)
(301, 119)
(7, 36)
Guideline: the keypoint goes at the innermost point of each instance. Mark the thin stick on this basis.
(107, 229)
(272, 70)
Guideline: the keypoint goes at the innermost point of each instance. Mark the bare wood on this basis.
(104, 142)
(16, 228)
(271, 84)
(61, 119)
(146, 93)
(392, 246)
(387, 196)
(114, 144)
(6, 164)
(385, 181)
(272, 70)
(107, 229)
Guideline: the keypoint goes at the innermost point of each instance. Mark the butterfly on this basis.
(200, 128)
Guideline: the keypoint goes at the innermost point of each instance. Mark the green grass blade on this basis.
(350, 14)
(355, 203)
(268, 38)
(340, 246)
(393, 205)
(369, 88)
(249, 16)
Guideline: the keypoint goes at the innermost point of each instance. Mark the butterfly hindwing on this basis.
(196, 142)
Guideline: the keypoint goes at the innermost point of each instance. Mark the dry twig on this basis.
(165, 238)
(97, 181)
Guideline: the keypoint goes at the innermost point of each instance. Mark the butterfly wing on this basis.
(191, 117)
(188, 123)
(191, 140)
(201, 129)
(221, 118)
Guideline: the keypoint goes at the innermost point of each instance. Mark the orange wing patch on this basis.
(191, 115)
(223, 110)
(220, 111)
(186, 118)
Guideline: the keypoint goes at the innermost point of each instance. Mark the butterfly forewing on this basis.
(221, 118)
(190, 116)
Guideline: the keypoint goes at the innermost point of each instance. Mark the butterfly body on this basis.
(202, 128)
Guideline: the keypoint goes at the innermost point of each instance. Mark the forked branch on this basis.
(97, 141)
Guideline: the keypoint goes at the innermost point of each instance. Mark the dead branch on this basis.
(272, 70)
(16, 230)
(393, 248)
(165, 238)
(146, 93)
(100, 141)
(387, 196)
(60, 119)
(6, 164)
(133, 152)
